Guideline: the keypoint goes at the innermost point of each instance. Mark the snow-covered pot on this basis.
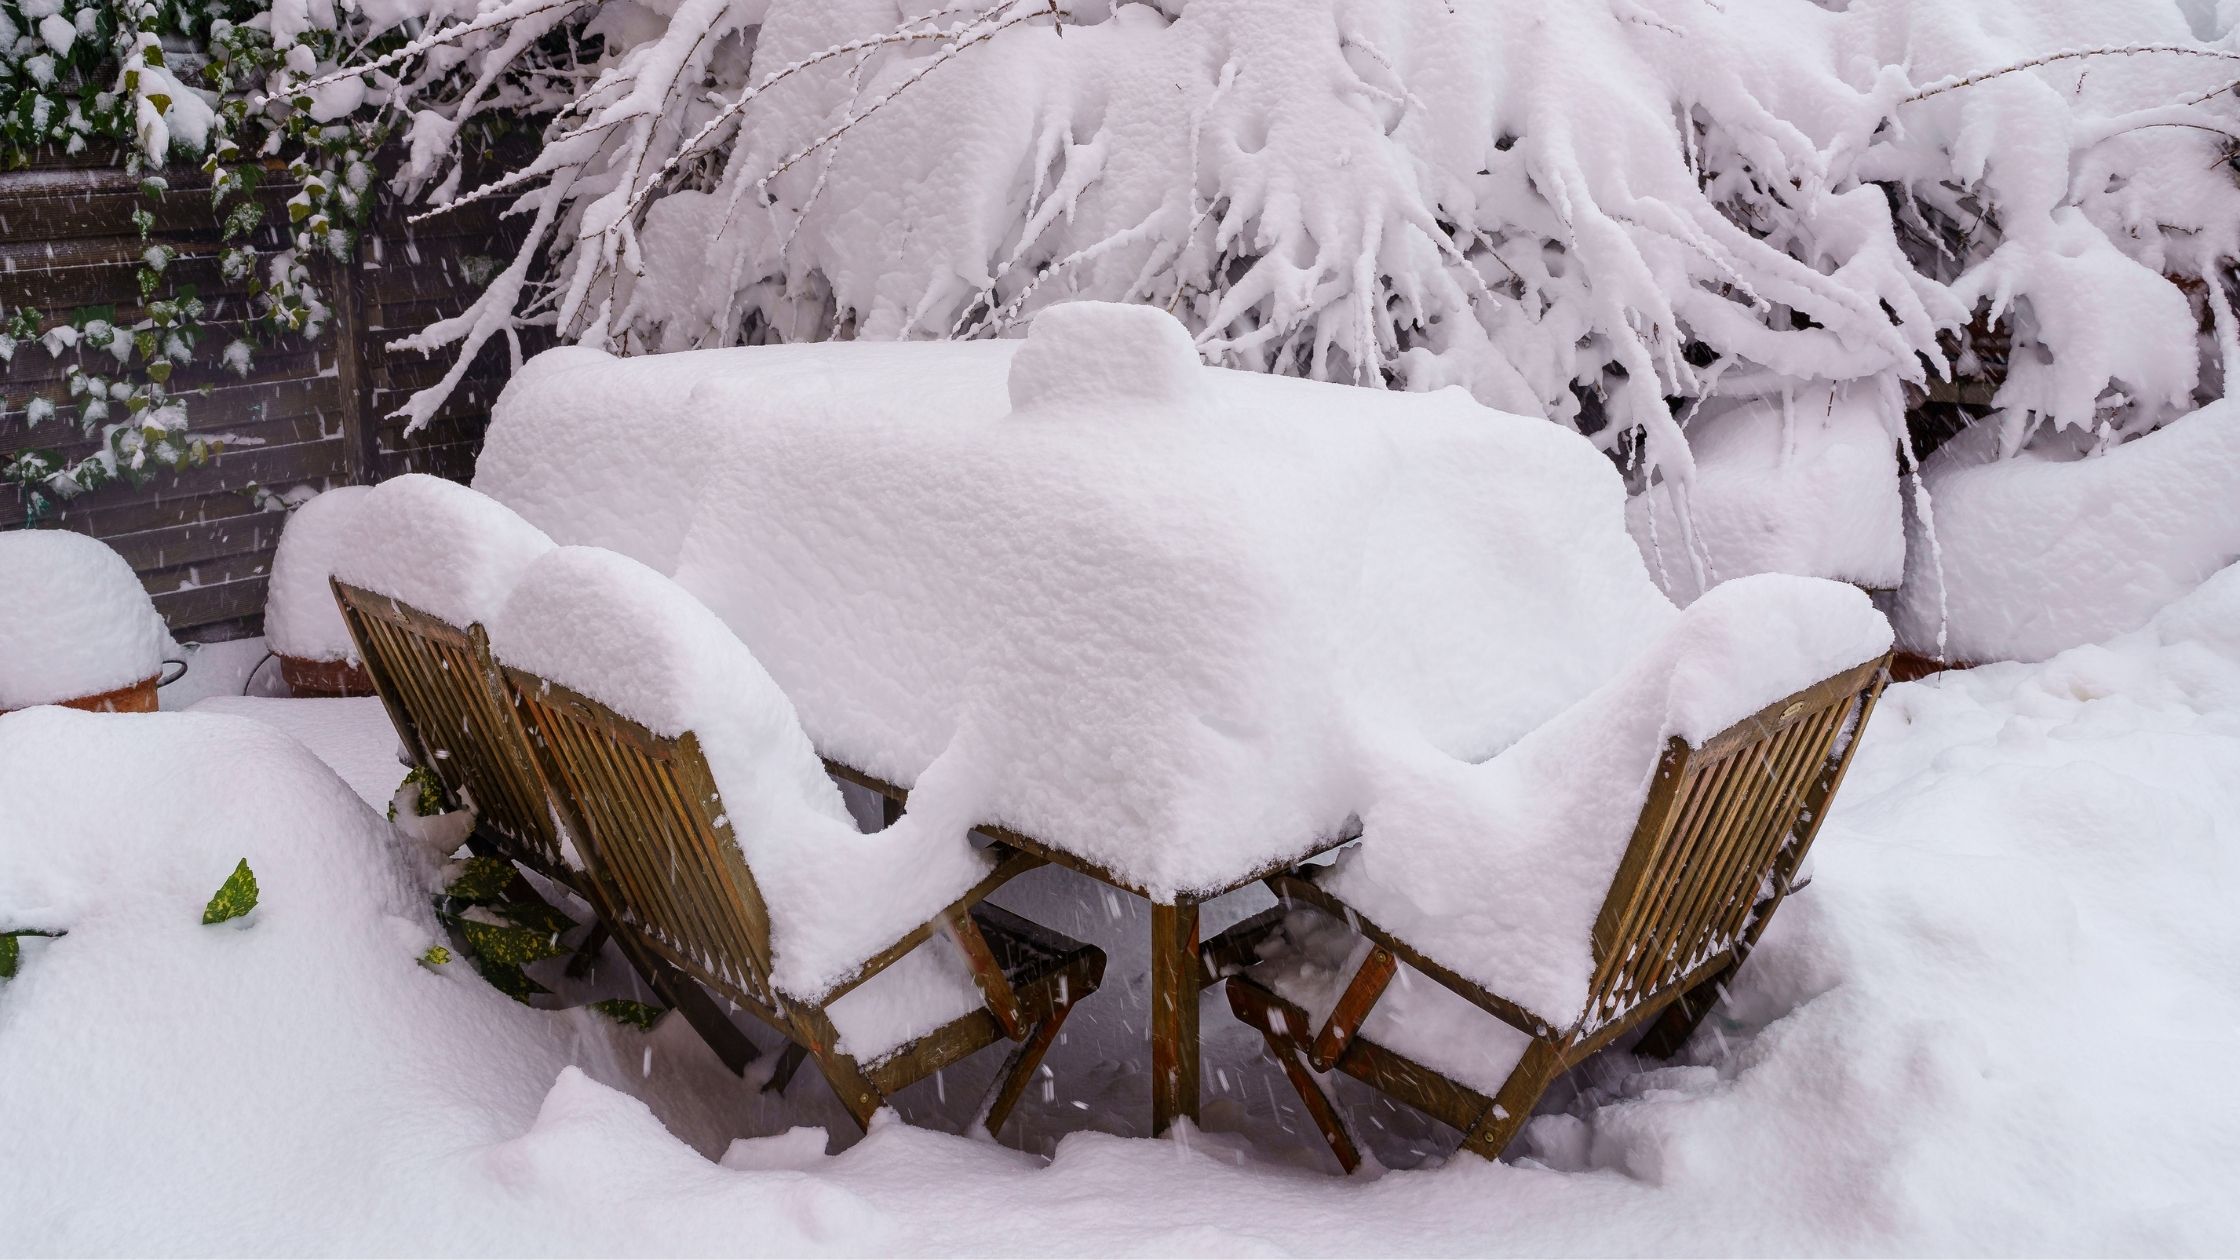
(76, 627)
(302, 625)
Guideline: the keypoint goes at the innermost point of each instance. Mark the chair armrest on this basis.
(1010, 863)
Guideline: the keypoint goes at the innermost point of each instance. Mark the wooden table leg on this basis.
(1174, 1014)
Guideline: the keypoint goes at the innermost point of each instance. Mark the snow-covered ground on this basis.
(2001, 1020)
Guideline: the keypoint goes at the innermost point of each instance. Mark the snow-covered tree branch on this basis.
(1599, 211)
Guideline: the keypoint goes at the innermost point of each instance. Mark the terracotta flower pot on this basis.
(140, 697)
(306, 677)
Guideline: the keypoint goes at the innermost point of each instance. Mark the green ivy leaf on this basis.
(538, 916)
(11, 949)
(509, 980)
(509, 945)
(482, 881)
(234, 898)
(630, 1014)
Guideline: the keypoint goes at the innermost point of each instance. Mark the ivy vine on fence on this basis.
(170, 85)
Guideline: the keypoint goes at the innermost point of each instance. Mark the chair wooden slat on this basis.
(458, 727)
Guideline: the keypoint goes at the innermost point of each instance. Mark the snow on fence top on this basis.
(1160, 630)
(74, 621)
(1498, 870)
(614, 630)
(301, 618)
(440, 547)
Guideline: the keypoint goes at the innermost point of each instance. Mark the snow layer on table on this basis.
(301, 617)
(439, 547)
(2038, 552)
(612, 629)
(1803, 483)
(1314, 956)
(1497, 870)
(615, 452)
(74, 620)
(1156, 631)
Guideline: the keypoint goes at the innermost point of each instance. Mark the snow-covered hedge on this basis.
(1601, 211)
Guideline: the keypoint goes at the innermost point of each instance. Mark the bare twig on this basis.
(898, 35)
(503, 16)
(2115, 50)
(988, 27)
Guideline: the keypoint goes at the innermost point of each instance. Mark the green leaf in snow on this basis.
(234, 898)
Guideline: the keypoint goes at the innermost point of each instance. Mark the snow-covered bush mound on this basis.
(294, 1074)
(301, 618)
(1179, 610)
(1805, 483)
(1498, 869)
(440, 547)
(2045, 550)
(608, 627)
(74, 620)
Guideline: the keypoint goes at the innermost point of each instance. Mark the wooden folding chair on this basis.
(660, 841)
(458, 723)
(432, 677)
(1715, 850)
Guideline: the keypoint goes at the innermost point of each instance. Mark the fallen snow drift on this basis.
(1177, 608)
(2023, 889)
(301, 618)
(74, 620)
(2032, 555)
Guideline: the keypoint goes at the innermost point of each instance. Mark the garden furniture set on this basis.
(1392, 657)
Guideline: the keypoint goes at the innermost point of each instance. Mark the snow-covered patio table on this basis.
(1158, 622)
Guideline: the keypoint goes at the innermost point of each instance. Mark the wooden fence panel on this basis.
(311, 414)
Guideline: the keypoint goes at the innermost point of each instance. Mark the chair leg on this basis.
(1018, 1069)
(857, 1093)
(1670, 1031)
(587, 953)
(781, 1072)
(1319, 1104)
(1513, 1105)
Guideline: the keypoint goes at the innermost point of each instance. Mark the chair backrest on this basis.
(657, 838)
(1722, 833)
(455, 719)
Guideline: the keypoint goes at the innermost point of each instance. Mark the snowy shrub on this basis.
(171, 83)
(1604, 211)
(1613, 213)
